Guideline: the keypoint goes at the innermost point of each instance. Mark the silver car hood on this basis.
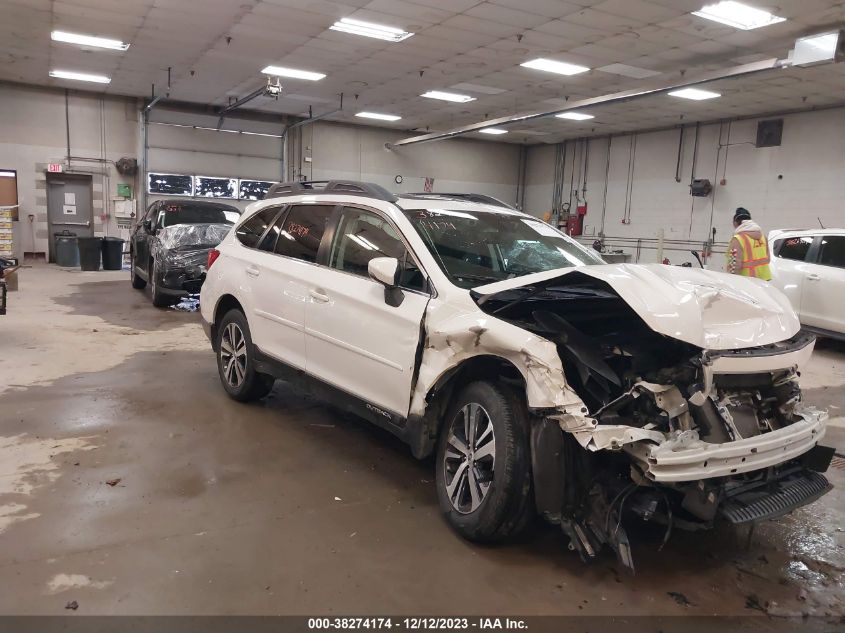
(711, 310)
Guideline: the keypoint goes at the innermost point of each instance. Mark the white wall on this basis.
(811, 161)
(33, 133)
(457, 166)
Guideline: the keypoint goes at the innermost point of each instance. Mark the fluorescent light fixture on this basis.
(380, 117)
(694, 93)
(369, 29)
(574, 116)
(818, 49)
(447, 96)
(493, 130)
(552, 66)
(7, 174)
(68, 74)
(88, 40)
(737, 15)
(293, 73)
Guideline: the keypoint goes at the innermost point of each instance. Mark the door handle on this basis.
(813, 277)
(252, 271)
(318, 294)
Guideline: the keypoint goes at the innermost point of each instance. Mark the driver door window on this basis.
(362, 236)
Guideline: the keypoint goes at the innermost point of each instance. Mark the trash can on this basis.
(112, 253)
(89, 252)
(67, 252)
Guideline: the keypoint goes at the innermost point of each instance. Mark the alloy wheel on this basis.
(233, 355)
(470, 458)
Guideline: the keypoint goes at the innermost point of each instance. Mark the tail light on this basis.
(213, 254)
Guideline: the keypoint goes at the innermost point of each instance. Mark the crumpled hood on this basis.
(193, 235)
(709, 309)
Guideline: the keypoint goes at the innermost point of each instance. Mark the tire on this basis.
(137, 282)
(504, 507)
(160, 300)
(239, 379)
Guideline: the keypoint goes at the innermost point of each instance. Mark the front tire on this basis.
(236, 360)
(160, 300)
(483, 464)
(137, 282)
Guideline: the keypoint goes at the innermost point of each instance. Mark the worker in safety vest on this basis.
(748, 251)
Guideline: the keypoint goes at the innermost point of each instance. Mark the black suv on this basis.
(170, 243)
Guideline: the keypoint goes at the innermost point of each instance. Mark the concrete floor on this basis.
(287, 507)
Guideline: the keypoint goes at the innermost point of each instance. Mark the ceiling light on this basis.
(368, 29)
(574, 116)
(493, 130)
(67, 74)
(447, 96)
(694, 93)
(737, 15)
(552, 66)
(293, 73)
(88, 40)
(380, 117)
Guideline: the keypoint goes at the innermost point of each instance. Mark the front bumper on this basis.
(684, 457)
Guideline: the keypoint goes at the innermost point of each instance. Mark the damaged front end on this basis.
(668, 429)
(181, 251)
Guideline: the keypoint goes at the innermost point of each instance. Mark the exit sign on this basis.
(54, 168)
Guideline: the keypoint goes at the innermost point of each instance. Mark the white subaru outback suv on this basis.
(545, 381)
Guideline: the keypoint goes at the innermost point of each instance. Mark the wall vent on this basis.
(769, 133)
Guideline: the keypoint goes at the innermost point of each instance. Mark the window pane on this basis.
(251, 231)
(794, 248)
(832, 252)
(170, 184)
(362, 236)
(254, 189)
(209, 187)
(303, 229)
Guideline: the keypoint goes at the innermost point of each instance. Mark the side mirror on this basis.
(387, 271)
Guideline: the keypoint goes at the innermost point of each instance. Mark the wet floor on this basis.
(131, 484)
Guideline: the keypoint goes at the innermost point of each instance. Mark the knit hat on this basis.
(742, 214)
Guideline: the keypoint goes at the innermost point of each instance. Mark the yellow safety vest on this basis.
(755, 257)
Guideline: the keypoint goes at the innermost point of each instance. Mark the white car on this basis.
(809, 267)
(545, 381)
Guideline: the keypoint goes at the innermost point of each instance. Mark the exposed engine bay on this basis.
(674, 433)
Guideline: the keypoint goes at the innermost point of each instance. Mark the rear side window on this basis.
(795, 248)
(251, 231)
(832, 251)
(302, 231)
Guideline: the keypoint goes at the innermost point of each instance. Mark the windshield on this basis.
(188, 213)
(478, 247)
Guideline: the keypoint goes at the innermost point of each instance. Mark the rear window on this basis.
(187, 213)
(795, 248)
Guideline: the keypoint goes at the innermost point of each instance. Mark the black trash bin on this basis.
(67, 254)
(112, 253)
(89, 252)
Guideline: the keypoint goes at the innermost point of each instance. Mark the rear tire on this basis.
(236, 360)
(137, 282)
(485, 491)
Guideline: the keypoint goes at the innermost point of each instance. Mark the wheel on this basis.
(137, 282)
(160, 299)
(483, 464)
(235, 360)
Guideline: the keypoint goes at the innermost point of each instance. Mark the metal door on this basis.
(69, 206)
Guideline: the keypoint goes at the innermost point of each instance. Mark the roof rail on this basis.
(463, 197)
(343, 187)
